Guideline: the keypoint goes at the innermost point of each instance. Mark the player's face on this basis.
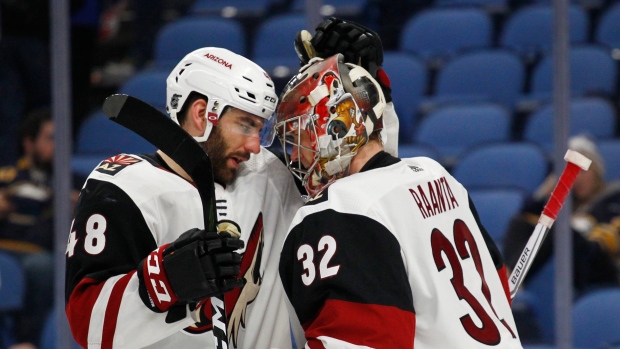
(232, 141)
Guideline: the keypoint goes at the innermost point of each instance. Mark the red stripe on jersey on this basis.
(111, 311)
(80, 306)
(376, 326)
(503, 276)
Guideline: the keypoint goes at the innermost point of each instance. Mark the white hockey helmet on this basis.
(226, 79)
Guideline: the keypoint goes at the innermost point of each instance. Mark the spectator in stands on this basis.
(26, 225)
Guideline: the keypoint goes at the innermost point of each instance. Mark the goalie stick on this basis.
(159, 130)
(575, 162)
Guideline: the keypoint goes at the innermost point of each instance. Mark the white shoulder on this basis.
(129, 171)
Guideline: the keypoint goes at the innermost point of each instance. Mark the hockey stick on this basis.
(575, 162)
(159, 130)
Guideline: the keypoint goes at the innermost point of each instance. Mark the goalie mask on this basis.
(327, 113)
(226, 79)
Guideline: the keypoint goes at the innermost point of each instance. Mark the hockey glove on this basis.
(359, 45)
(197, 265)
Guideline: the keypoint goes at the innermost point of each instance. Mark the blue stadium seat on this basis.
(148, 86)
(521, 165)
(610, 151)
(48, 336)
(100, 136)
(596, 319)
(338, 8)
(529, 29)
(412, 150)
(607, 31)
(593, 116)
(182, 36)
(272, 44)
(12, 290)
(491, 75)
(592, 71)
(496, 207)
(541, 286)
(230, 9)
(490, 6)
(437, 34)
(409, 78)
(452, 130)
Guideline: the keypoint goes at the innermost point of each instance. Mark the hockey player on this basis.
(387, 252)
(140, 270)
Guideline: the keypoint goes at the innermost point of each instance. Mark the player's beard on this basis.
(217, 148)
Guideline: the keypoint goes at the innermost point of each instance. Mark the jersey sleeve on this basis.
(346, 280)
(108, 238)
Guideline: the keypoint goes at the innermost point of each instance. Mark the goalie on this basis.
(387, 252)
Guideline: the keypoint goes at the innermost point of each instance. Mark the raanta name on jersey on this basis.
(441, 197)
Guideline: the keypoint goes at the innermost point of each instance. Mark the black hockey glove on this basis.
(359, 45)
(197, 265)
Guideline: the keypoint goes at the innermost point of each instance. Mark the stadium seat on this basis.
(11, 282)
(607, 31)
(593, 116)
(184, 35)
(408, 77)
(592, 71)
(490, 6)
(452, 130)
(100, 136)
(48, 335)
(521, 165)
(230, 9)
(596, 319)
(413, 150)
(272, 45)
(148, 86)
(491, 75)
(529, 29)
(496, 207)
(610, 151)
(12, 290)
(339, 8)
(437, 34)
(541, 286)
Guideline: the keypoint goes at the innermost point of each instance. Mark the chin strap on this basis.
(389, 133)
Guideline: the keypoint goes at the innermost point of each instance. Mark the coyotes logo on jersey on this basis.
(115, 164)
(237, 300)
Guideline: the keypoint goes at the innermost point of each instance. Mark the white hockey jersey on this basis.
(132, 204)
(395, 257)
